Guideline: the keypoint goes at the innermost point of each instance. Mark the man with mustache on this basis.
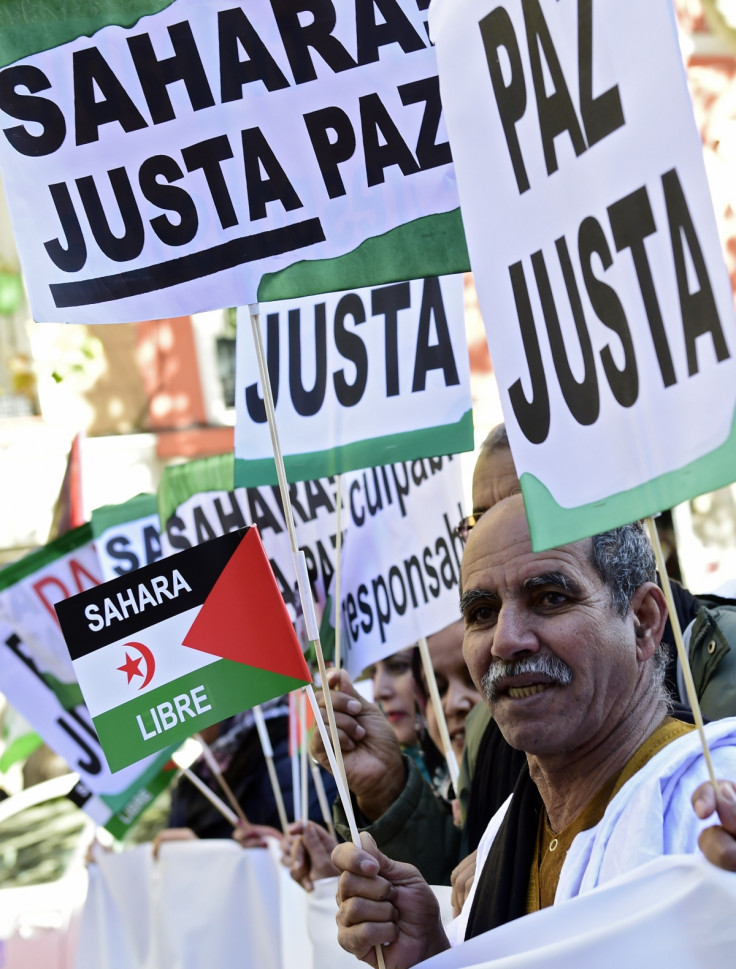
(564, 645)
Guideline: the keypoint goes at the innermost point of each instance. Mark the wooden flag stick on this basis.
(268, 754)
(434, 696)
(338, 574)
(303, 776)
(319, 786)
(305, 589)
(687, 675)
(220, 778)
(214, 800)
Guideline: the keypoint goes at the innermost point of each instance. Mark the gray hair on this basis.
(624, 559)
(496, 440)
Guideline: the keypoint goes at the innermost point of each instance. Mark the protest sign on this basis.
(401, 557)
(113, 802)
(127, 536)
(360, 378)
(181, 644)
(197, 502)
(608, 309)
(166, 158)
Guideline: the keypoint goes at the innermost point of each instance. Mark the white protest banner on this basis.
(114, 802)
(181, 644)
(162, 158)
(360, 378)
(29, 589)
(127, 536)
(197, 502)
(608, 309)
(401, 557)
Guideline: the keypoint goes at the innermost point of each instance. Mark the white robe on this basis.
(650, 816)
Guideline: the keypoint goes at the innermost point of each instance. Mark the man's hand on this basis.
(718, 843)
(462, 879)
(373, 762)
(255, 835)
(385, 903)
(306, 853)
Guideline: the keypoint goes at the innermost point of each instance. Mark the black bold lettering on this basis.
(184, 65)
(582, 395)
(175, 529)
(261, 514)
(429, 153)
(119, 549)
(202, 528)
(208, 156)
(632, 221)
(357, 517)
(438, 356)
(305, 402)
(26, 107)
(71, 258)
(624, 382)
(350, 346)
(298, 39)
(130, 243)
(152, 544)
(317, 498)
(168, 196)
(233, 519)
(699, 311)
(330, 153)
(556, 111)
(533, 415)
(256, 153)
(497, 32)
(604, 114)
(388, 301)
(236, 31)
(92, 73)
(253, 401)
(396, 29)
(382, 143)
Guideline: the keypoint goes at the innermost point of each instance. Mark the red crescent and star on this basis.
(132, 665)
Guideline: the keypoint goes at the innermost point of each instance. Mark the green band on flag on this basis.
(183, 706)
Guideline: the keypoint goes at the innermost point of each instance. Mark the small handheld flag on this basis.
(183, 643)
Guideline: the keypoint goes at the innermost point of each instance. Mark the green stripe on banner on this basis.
(34, 561)
(180, 481)
(432, 246)
(108, 516)
(389, 449)
(119, 824)
(551, 525)
(228, 688)
(27, 28)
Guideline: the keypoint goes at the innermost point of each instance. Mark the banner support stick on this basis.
(303, 580)
(260, 722)
(321, 796)
(220, 778)
(303, 776)
(682, 656)
(214, 800)
(434, 696)
(338, 573)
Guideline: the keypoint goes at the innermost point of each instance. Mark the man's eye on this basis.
(553, 598)
(480, 615)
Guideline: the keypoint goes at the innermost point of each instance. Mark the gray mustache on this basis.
(550, 666)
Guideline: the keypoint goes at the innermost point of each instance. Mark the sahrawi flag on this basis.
(181, 644)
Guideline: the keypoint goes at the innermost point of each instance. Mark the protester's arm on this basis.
(373, 761)
(718, 843)
(387, 903)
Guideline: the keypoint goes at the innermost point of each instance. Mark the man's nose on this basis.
(513, 633)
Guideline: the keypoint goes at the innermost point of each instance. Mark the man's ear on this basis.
(649, 609)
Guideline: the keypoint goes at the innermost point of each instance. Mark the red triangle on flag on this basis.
(244, 618)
